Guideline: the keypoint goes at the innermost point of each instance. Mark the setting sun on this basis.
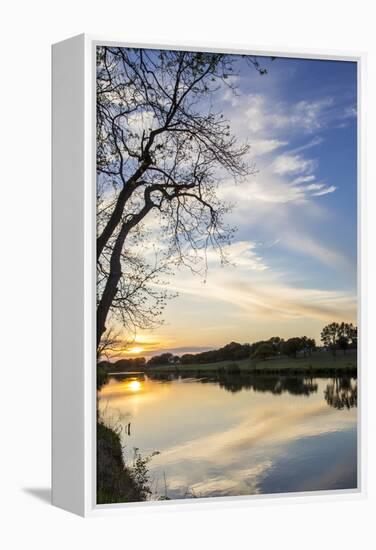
(136, 349)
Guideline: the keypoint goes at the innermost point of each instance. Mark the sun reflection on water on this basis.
(134, 385)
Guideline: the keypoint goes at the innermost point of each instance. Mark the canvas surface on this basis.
(226, 275)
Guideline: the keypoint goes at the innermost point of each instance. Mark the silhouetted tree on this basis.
(292, 346)
(347, 335)
(310, 344)
(353, 336)
(339, 335)
(277, 343)
(307, 345)
(329, 336)
(343, 343)
(163, 359)
(160, 147)
(263, 351)
(188, 358)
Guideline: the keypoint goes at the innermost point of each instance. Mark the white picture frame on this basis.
(74, 281)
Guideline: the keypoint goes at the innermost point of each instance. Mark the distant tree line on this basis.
(232, 351)
(261, 349)
(333, 336)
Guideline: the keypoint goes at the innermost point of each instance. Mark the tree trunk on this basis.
(129, 186)
(111, 285)
(114, 220)
(111, 288)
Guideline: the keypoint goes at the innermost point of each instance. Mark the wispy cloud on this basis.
(314, 186)
(308, 115)
(242, 254)
(263, 146)
(330, 189)
(267, 187)
(260, 114)
(268, 297)
(303, 179)
(313, 143)
(293, 164)
(309, 246)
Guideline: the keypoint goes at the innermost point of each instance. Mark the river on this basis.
(237, 435)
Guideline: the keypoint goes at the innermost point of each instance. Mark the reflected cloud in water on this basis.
(234, 435)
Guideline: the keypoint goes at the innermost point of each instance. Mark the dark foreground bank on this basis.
(115, 481)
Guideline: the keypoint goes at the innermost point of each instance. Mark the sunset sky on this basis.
(293, 259)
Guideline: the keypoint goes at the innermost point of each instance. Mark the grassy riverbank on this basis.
(317, 364)
(115, 481)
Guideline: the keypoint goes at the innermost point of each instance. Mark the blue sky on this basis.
(293, 260)
(311, 106)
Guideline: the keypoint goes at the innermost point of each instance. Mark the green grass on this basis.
(318, 363)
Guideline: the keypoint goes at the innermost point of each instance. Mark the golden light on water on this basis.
(134, 385)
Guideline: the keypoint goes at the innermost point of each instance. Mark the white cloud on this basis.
(313, 143)
(270, 188)
(265, 146)
(243, 254)
(292, 164)
(310, 114)
(255, 113)
(330, 189)
(303, 179)
(314, 187)
(264, 189)
(306, 116)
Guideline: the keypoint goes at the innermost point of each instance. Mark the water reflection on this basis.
(134, 385)
(272, 384)
(238, 434)
(342, 393)
(123, 384)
